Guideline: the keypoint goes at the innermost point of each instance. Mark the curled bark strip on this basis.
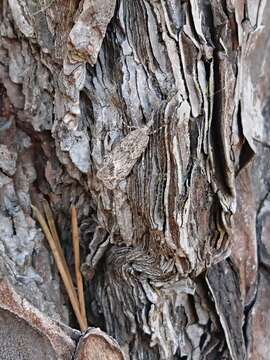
(27, 333)
(57, 340)
(97, 345)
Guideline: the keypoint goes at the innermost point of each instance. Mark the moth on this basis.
(119, 162)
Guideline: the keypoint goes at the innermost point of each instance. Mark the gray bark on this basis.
(145, 115)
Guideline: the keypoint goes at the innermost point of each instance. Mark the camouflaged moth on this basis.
(119, 162)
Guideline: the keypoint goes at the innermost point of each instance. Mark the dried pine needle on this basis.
(53, 230)
(62, 269)
(76, 250)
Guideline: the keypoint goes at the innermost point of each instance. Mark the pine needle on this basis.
(76, 250)
(53, 230)
(62, 266)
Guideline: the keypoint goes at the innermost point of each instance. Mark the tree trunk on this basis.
(145, 115)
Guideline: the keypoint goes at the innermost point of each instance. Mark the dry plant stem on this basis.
(61, 268)
(53, 230)
(76, 250)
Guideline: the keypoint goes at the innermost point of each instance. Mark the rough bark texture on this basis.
(145, 115)
(28, 334)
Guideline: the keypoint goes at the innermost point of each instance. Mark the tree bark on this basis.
(145, 115)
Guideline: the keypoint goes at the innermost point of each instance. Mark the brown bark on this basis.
(144, 115)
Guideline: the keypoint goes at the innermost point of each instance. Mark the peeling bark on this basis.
(145, 115)
(26, 333)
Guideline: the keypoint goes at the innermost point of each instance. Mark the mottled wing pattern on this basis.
(119, 162)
